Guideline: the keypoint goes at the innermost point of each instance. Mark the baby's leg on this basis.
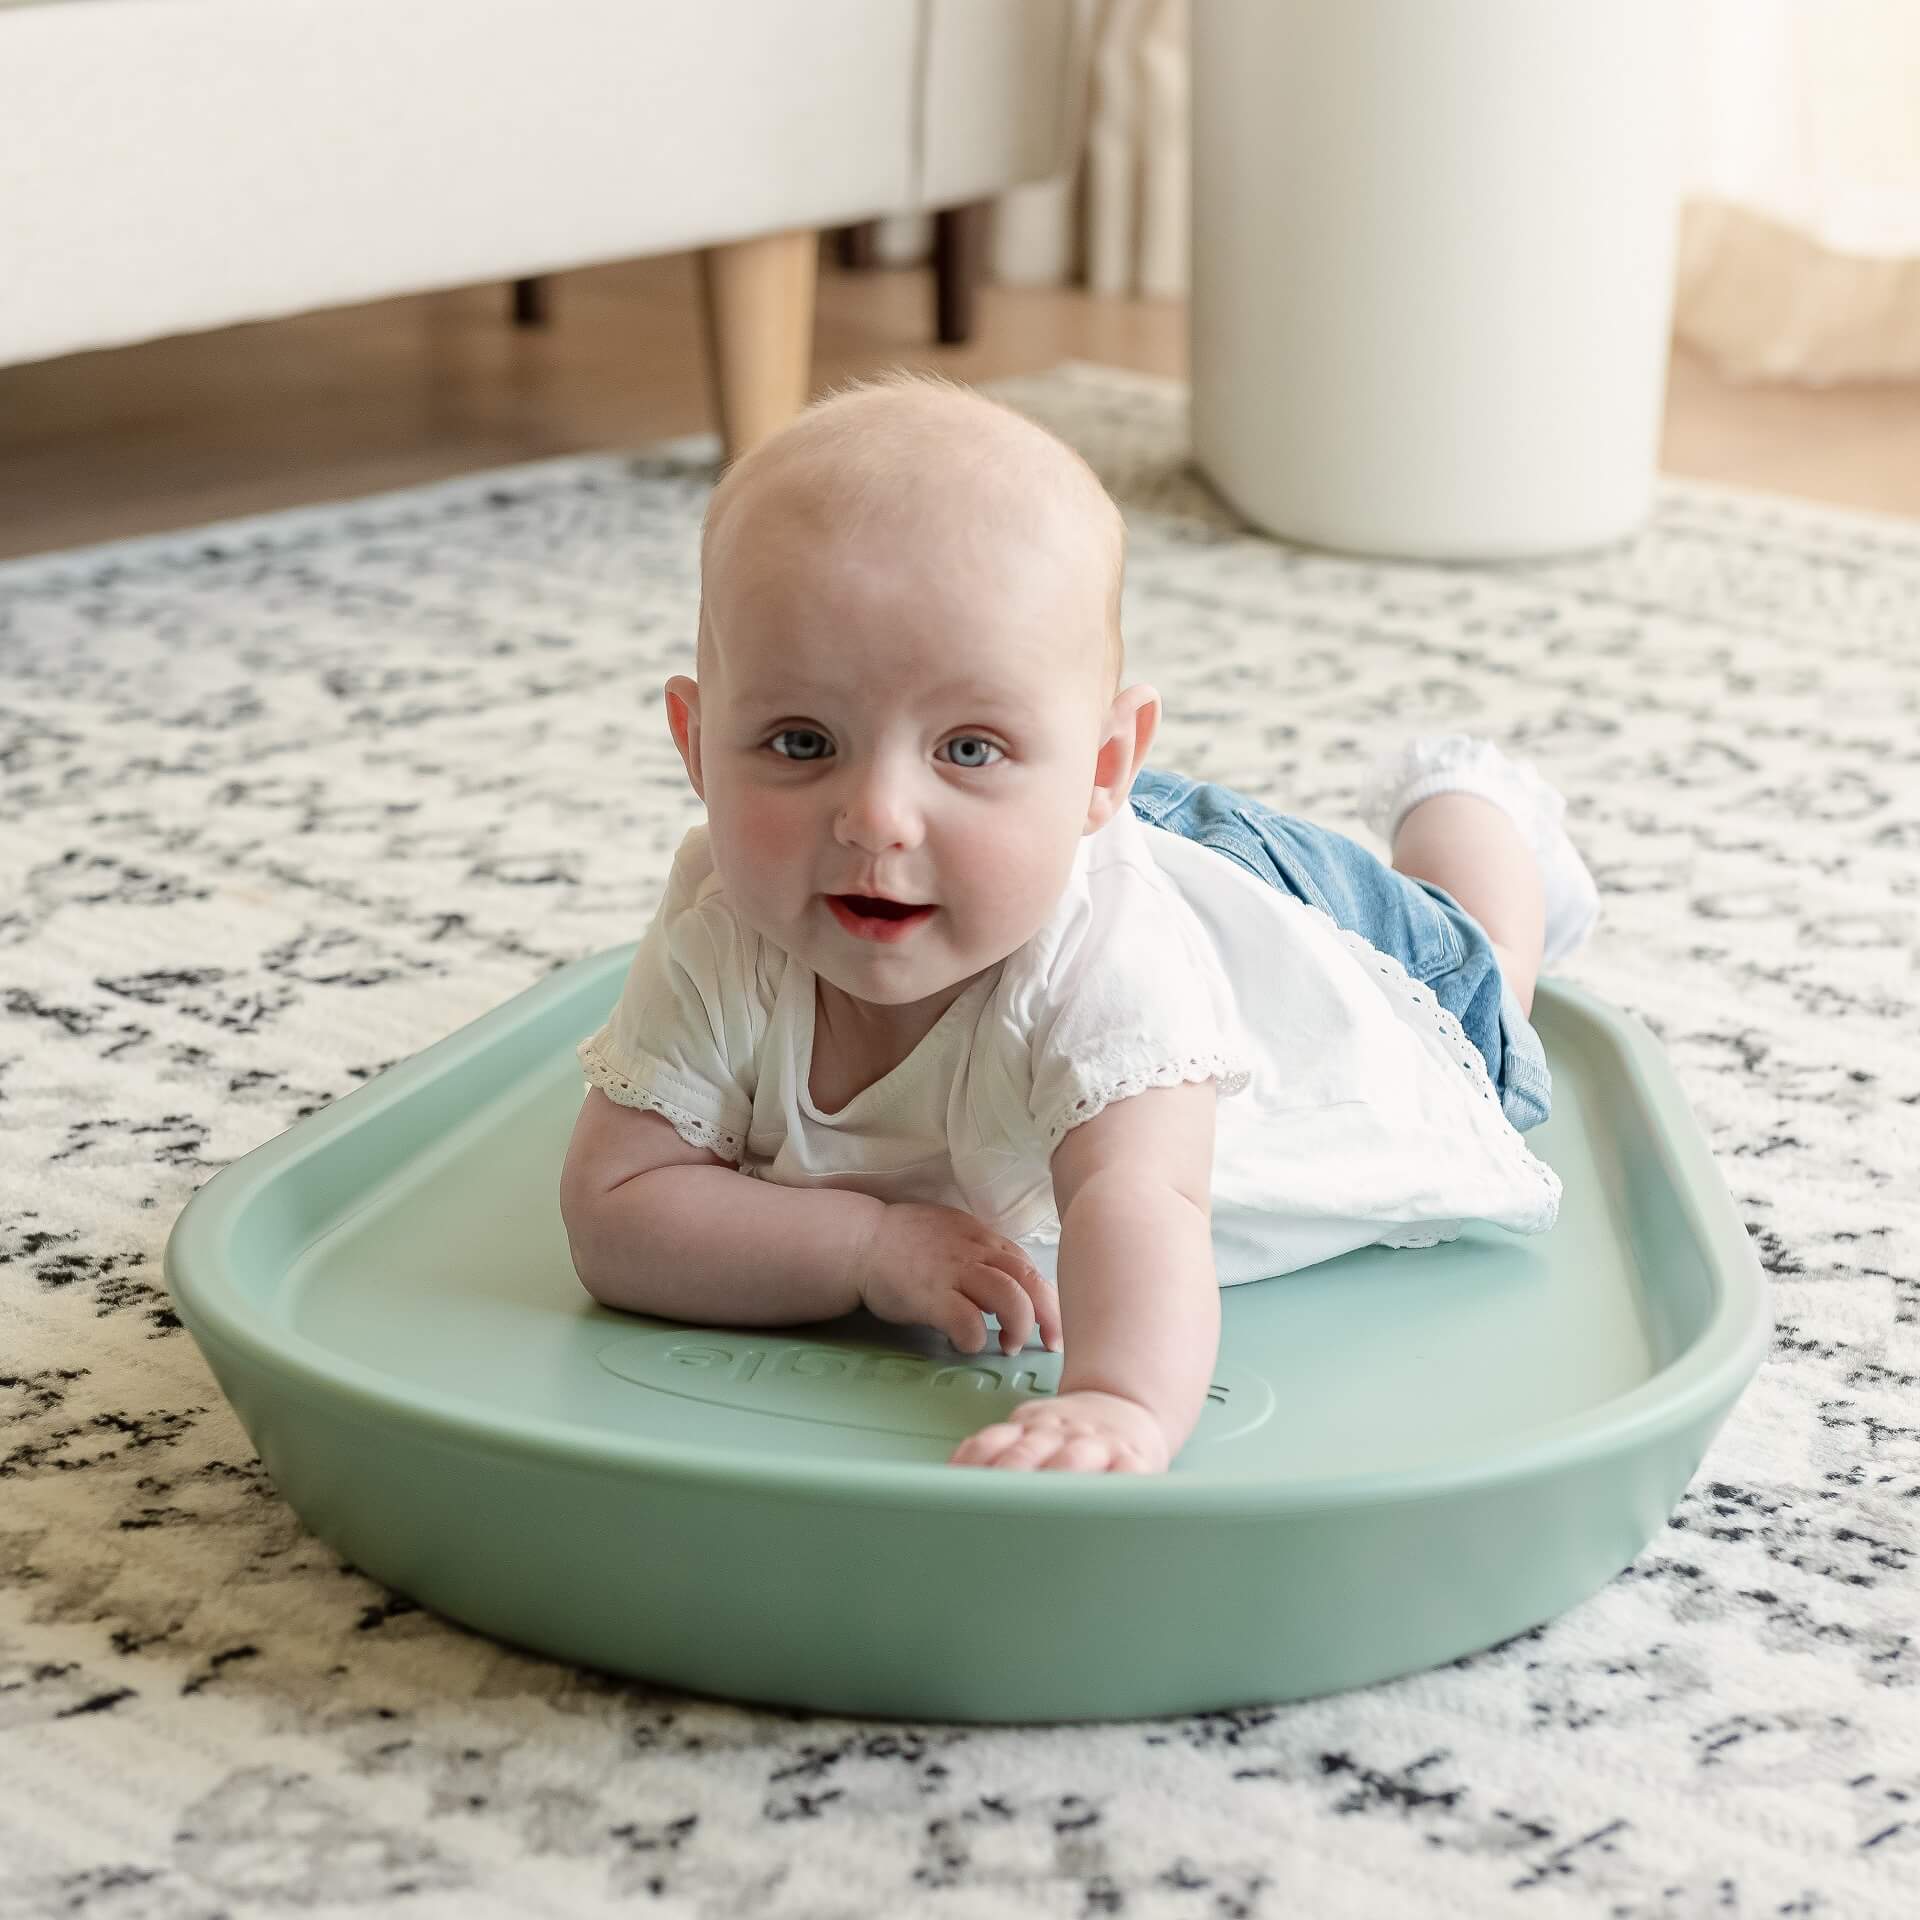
(1474, 850)
(1463, 816)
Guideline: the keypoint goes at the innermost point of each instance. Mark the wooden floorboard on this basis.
(329, 406)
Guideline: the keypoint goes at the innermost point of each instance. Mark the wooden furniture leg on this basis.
(759, 305)
(959, 252)
(530, 302)
(854, 246)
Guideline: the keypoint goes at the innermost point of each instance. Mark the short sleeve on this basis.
(1128, 995)
(684, 1036)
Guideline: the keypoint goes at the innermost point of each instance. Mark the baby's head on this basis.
(909, 663)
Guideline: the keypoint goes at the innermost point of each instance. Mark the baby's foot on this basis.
(1464, 763)
(1082, 1432)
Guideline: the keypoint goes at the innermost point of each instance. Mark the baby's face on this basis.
(897, 748)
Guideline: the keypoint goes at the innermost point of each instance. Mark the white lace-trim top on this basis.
(1354, 1109)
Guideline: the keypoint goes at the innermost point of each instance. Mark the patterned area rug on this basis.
(283, 801)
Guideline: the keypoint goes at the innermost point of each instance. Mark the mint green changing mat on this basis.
(1405, 1455)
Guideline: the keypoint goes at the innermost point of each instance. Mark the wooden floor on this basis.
(332, 405)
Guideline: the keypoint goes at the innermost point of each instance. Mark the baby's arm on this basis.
(1138, 1292)
(657, 1226)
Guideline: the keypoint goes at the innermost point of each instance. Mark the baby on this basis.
(961, 984)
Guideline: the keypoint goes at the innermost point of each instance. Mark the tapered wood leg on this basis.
(759, 302)
(959, 250)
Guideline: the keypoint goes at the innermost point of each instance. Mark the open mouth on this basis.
(875, 919)
(867, 906)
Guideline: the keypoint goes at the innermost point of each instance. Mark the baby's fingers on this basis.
(1034, 1287)
(1028, 1447)
(1084, 1453)
(1011, 1298)
(958, 1316)
(984, 1448)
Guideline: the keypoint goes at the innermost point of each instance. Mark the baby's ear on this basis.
(683, 722)
(1126, 735)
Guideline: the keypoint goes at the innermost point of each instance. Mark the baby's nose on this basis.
(878, 814)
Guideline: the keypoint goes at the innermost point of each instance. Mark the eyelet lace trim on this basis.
(1497, 1127)
(1173, 1073)
(1422, 1236)
(690, 1127)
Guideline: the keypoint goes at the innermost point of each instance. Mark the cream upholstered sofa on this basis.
(173, 165)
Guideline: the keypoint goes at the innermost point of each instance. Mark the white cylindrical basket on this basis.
(1433, 268)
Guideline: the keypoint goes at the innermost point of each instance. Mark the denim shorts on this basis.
(1422, 926)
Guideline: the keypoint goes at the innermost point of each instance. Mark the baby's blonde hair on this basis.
(872, 445)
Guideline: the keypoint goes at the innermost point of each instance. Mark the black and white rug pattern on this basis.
(282, 801)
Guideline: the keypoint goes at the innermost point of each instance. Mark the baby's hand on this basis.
(938, 1267)
(1083, 1432)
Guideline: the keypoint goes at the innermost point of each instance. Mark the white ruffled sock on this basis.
(1465, 763)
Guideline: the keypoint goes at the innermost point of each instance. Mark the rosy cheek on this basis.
(1018, 871)
(771, 833)
(1005, 851)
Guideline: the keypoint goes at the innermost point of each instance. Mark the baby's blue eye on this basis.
(970, 749)
(816, 747)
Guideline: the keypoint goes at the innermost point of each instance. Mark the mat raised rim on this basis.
(513, 1040)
